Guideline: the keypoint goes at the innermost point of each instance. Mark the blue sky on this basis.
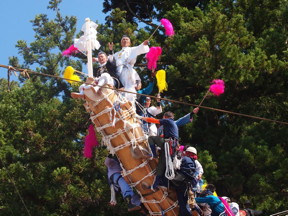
(15, 16)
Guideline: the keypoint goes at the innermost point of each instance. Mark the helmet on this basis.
(226, 198)
(192, 150)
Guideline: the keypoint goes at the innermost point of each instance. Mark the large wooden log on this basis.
(115, 118)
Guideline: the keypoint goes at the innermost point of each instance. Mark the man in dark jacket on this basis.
(184, 179)
(171, 135)
(107, 64)
(248, 209)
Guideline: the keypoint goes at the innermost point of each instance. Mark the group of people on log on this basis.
(177, 164)
(116, 69)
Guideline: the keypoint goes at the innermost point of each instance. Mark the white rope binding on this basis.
(175, 204)
(169, 172)
(132, 142)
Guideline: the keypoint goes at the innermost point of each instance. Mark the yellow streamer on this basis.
(70, 76)
(161, 80)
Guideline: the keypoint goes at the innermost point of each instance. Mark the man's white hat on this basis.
(226, 198)
(192, 150)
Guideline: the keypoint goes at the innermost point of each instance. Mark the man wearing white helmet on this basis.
(199, 169)
(184, 179)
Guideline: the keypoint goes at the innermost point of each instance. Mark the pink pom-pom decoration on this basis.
(217, 88)
(70, 51)
(169, 31)
(90, 142)
(152, 57)
(181, 148)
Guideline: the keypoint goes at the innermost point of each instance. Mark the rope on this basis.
(107, 138)
(150, 174)
(169, 171)
(128, 172)
(155, 97)
(165, 195)
(175, 204)
(280, 213)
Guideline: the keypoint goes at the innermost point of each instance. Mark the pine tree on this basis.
(242, 42)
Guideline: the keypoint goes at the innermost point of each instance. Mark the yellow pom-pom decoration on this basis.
(70, 76)
(161, 80)
(204, 187)
(75, 78)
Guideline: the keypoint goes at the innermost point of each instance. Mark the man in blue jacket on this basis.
(184, 179)
(214, 202)
(171, 134)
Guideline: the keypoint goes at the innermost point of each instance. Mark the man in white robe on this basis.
(125, 60)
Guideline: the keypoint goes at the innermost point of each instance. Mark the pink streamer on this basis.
(217, 88)
(169, 31)
(152, 57)
(228, 210)
(181, 148)
(90, 142)
(70, 51)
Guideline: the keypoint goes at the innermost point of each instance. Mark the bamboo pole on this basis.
(203, 98)
(153, 32)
